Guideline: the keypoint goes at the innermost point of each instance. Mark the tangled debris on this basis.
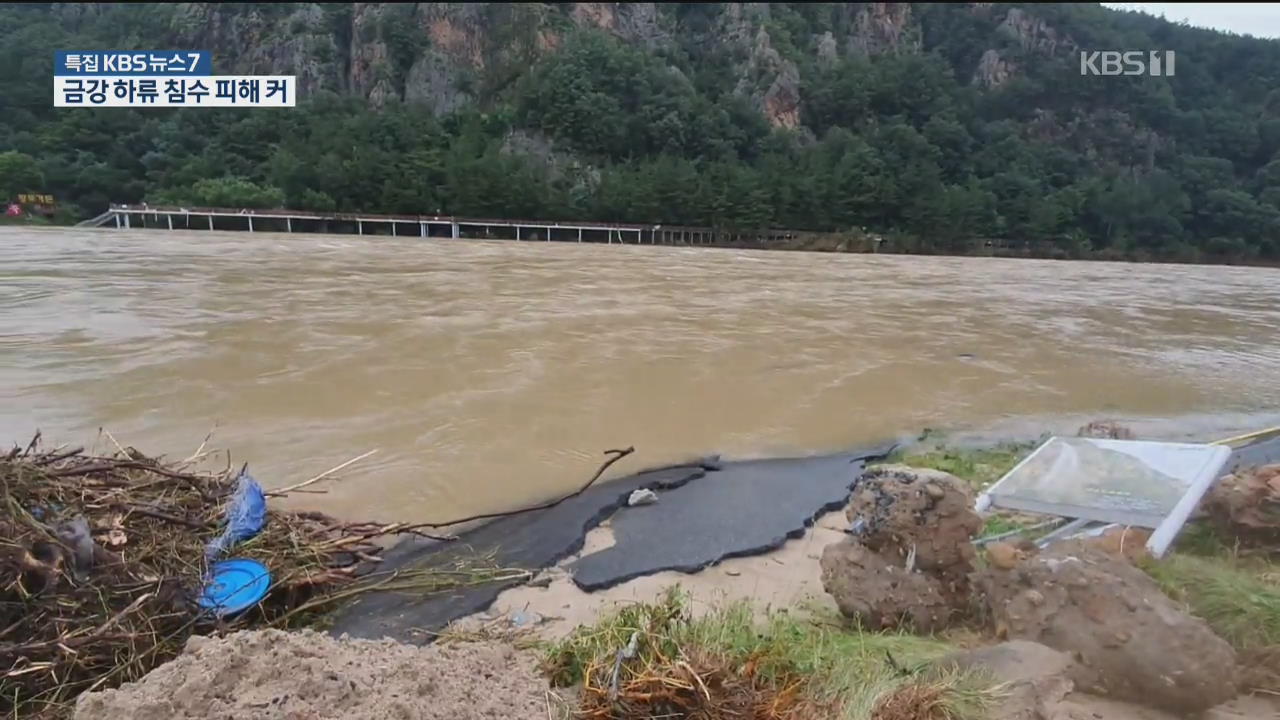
(102, 560)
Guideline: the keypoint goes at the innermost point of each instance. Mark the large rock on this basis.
(772, 82)
(637, 23)
(883, 28)
(883, 595)
(993, 69)
(1132, 642)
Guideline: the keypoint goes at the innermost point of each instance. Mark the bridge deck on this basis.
(426, 226)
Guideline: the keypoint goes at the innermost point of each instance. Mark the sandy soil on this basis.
(274, 675)
(788, 577)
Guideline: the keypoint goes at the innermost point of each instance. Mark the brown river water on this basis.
(489, 374)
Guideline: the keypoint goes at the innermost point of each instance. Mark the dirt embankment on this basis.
(910, 564)
(275, 675)
(1132, 642)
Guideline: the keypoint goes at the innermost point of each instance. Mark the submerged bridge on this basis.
(423, 226)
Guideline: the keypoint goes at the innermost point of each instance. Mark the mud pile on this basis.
(1245, 507)
(274, 674)
(1131, 641)
(910, 564)
(909, 560)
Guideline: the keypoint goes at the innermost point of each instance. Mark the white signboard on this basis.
(1143, 484)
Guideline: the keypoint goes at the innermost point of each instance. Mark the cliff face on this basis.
(444, 56)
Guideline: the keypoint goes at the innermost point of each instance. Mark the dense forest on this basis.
(943, 126)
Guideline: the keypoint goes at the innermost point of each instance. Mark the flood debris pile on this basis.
(908, 561)
(103, 561)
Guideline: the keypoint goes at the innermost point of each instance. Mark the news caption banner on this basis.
(161, 79)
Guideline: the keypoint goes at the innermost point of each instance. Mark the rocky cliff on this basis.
(443, 56)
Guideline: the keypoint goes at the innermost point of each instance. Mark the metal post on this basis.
(393, 228)
(250, 223)
(359, 227)
(579, 234)
(288, 224)
(117, 215)
(548, 233)
(456, 232)
(210, 222)
(127, 221)
(517, 232)
(170, 219)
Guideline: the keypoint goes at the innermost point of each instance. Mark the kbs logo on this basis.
(1155, 63)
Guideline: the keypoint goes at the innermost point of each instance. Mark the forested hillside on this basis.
(942, 125)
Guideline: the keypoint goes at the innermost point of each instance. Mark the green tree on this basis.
(228, 192)
(19, 173)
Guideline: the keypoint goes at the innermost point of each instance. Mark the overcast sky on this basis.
(1258, 19)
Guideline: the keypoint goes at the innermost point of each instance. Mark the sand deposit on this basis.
(783, 579)
(274, 675)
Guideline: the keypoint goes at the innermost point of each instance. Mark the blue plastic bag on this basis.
(246, 514)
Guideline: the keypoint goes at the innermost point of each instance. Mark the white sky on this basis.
(1257, 19)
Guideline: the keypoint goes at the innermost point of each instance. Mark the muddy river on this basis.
(487, 374)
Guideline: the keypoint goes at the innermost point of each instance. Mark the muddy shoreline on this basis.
(789, 580)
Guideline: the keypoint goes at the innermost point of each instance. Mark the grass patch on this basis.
(1240, 599)
(980, 467)
(997, 524)
(727, 662)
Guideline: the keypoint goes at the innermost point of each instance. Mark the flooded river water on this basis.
(487, 374)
